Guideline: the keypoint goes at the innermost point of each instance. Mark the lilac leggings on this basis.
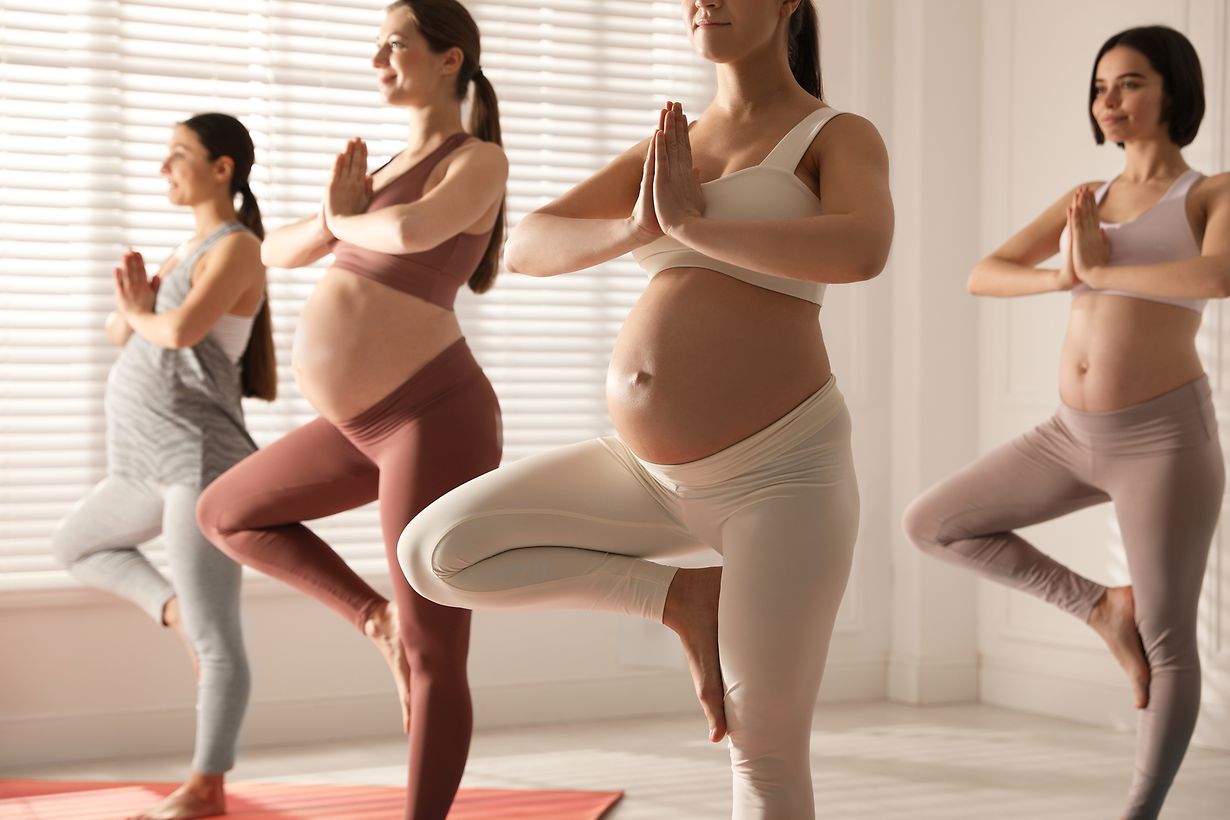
(1160, 464)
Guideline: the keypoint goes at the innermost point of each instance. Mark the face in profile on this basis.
(407, 70)
(191, 175)
(1129, 100)
(724, 31)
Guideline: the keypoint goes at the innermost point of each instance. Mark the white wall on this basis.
(1037, 144)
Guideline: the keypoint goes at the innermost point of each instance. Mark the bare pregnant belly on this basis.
(1121, 351)
(357, 340)
(705, 360)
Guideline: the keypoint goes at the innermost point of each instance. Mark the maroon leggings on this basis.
(435, 432)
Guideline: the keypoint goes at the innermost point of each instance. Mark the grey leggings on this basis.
(98, 541)
(1161, 465)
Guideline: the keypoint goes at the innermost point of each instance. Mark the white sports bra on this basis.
(766, 191)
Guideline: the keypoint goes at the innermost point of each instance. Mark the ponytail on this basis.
(447, 24)
(803, 49)
(224, 136)
(259, 363)
(485, 124)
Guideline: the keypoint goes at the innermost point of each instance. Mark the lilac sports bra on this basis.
(1160, 234)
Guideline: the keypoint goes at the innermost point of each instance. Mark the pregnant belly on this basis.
(357, 340)
(704, 361)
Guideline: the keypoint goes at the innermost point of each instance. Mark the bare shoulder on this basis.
(479, 156)
(237, 254)
(1214, 190)
(848, 136)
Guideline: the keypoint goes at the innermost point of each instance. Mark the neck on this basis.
(430, 125)
(758, 82)
(1152, 160)
(212, 214)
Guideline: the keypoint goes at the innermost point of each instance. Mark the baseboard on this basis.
(932, 681)
(1098, 702)
(52, 739)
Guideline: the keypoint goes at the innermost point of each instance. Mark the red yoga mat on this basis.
(59, 800)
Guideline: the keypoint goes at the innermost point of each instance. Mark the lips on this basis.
(708, 24)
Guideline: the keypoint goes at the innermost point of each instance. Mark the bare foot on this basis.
(172, 618)
(692, 611)
(383, 631)
(1114, 618)
(202, 795)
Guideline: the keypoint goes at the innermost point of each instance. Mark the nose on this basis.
(381, 57)
(165, 168)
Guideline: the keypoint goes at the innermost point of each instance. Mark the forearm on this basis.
(163, 329)
(297, 244)
(832, 249)
(117, 329)
(1203, 277)
(999, 277)
(547, 245)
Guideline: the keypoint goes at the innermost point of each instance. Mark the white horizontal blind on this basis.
(89, 90)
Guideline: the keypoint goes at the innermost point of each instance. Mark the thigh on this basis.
(309, 473)
(117, 512)
(1168, 506)
(206, 580)
(582, 498)
(786, 561)
(1036, 477)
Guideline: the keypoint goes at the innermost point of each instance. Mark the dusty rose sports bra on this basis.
(1160, 234)
(434, 275)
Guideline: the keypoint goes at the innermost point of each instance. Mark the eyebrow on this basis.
(1133, 74)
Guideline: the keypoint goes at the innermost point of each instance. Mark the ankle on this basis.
(379, 621)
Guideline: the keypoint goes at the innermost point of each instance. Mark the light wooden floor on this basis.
(869, 761)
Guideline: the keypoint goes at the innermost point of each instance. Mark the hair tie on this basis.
(478, 72)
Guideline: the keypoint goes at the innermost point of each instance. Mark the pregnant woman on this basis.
(195, 339)
(732, 434)
(406, 414)
(1136, 426)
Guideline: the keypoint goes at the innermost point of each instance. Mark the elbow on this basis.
(179, 336)
(1222, 287)
(973, 283)
(515, 260)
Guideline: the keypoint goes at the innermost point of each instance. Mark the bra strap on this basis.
(792, 147)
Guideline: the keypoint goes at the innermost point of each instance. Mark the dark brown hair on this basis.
(1171, 55)
(803, 48)
(224, 136)
(447, 24)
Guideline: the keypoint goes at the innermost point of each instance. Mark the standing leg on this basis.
(207, 588)
(97, 542)
(208, 585)
(1167, 505)
(447, 444)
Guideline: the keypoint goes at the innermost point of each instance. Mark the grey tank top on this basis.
(175, 416)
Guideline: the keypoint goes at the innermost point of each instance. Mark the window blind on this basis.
(89, 90)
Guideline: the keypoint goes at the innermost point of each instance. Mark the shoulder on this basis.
(237, 253)
(848, 135)
(479, 155)
(1214, 191)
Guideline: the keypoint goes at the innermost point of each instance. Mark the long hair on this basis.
(224, 136)
(803, 48)
(447, 24)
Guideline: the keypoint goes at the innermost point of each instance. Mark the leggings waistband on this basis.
(1190, 399)
(813, 413)
(454, 368)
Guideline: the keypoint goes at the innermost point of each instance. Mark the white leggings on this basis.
(572, 529)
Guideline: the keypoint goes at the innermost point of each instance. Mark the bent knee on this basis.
(922, 523)
(219, 512)
(65, 545)
(416, 548)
